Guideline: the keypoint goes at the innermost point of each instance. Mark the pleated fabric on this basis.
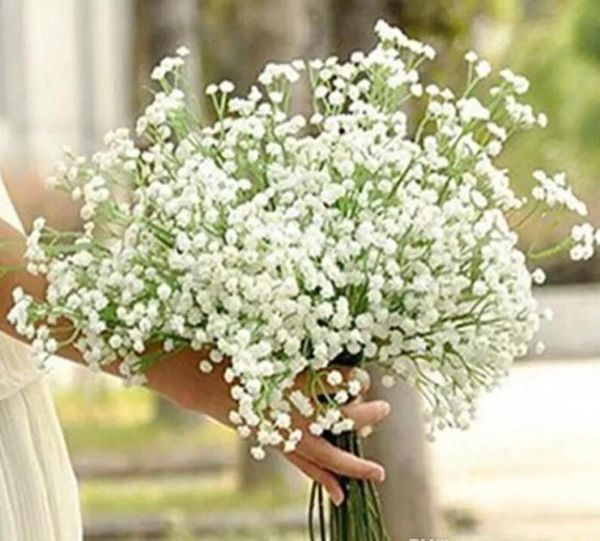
(39, 499)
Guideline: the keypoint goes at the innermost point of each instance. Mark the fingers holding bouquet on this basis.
(324, 462)
(178, 379)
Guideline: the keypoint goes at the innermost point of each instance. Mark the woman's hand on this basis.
(322, 461)
(179, 379)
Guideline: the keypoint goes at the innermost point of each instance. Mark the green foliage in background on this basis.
(587, 29)
(125, 421)
(564, 84)
(189, 495)
(449, 19)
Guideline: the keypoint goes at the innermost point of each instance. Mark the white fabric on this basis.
(39, 499)
(16, 368)
(7, 209)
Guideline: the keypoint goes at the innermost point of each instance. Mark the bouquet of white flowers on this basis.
(377, 230)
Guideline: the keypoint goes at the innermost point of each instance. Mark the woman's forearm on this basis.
(176, 377)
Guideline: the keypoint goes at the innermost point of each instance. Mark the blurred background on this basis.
(527, 470)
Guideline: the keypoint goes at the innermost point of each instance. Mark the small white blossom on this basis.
(205, 367)
(335, 378)
(471, 57)
(483, 69)
(388, 381)
(182, 51)
(226, 87)
(258, 453)
(538, 276)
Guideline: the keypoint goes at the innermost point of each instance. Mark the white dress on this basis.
(39, 499)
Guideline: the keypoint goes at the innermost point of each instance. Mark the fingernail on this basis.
(366, 432)
(386, 409)
(378, 475)
(337, 498)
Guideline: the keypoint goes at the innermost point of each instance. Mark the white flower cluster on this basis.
(584, 241)
(287, 244)
(554, 191)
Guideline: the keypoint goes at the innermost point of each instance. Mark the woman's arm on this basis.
(161, 378)
(178, 379)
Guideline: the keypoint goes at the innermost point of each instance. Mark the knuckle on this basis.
(325, 479)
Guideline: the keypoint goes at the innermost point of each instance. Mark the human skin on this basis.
(178, 378)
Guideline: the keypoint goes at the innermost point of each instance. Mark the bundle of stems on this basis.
(359, 517)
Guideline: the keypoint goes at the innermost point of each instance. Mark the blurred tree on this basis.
(564, 74)
(589, 126)
(409, 504)
(353, 22)
(160, 27)
(587, 42)
(449, 25)
(440, 19)
(263, 31)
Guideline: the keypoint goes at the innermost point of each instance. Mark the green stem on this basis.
(322, 530)
(311, 514)
(554, 250)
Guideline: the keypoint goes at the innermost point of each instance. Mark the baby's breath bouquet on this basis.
(377, 230)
